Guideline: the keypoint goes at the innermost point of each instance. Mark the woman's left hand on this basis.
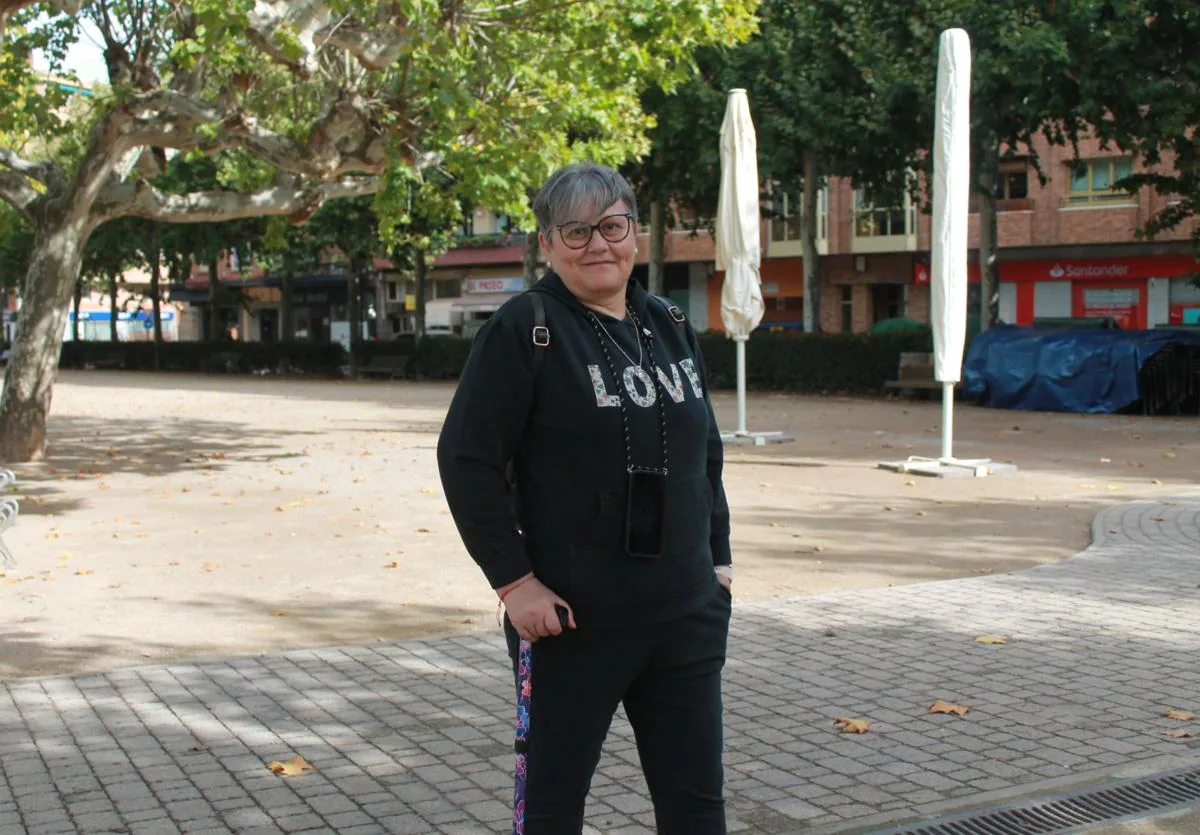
(727, 582)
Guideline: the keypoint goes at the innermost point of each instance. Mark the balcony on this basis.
(884, 230)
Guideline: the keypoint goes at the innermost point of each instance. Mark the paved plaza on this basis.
(415, 736)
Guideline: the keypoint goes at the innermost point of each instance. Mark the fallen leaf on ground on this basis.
(392, 564)
(279, 614)
(941, 706)
(1158, 518)
(1181, 715)
(422, 530)
(427, 490)
(290, 768)
(211, 566)
(853, 726)
(1177, 733)
(173, 562)
(83, 571)
(991, 639)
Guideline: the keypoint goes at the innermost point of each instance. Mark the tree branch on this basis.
(297, 202)
(376, 47)
(342, 141)
(69, 7)
(16, 190)
(46, 173)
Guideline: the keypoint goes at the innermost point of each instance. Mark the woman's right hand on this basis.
(531, 608)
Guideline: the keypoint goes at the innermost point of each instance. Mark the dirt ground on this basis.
(190, 517)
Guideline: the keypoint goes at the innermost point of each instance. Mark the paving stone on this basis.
(402, 746)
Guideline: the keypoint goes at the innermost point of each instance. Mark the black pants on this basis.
(668, 676)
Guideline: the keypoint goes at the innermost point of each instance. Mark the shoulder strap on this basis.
(540, 334)
(672, 310)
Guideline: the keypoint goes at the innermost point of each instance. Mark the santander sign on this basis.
(1058, 271)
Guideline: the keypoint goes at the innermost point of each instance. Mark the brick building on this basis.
(1067, 247)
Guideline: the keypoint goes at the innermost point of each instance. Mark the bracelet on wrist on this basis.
(514, 587)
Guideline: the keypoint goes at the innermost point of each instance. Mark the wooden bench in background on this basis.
(915, 374)
(113, 359)
(388, 367)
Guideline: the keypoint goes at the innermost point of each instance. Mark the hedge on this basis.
(786, 361)
(324, 358)
(847, 363)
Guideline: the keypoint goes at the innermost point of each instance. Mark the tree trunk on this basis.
(215, 331)
(529, 259)
(113, 310)
(155, 293)
(808, 244)
(658, 257)
(354, 314)
(52, 275)
(989, 283)
(78, 299)
(287, 332)
(419, 313)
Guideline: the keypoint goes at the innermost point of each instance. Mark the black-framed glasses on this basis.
(613, 228)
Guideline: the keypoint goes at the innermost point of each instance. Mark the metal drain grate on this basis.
(1072, 812)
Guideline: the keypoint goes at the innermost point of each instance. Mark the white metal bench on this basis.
(9, 508)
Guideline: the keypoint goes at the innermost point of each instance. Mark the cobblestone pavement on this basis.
(415, 737)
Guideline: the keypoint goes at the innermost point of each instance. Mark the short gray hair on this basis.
(576, 192)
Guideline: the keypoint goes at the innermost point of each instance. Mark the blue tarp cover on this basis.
(1092, 371)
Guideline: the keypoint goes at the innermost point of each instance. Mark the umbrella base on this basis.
(949, 467)
(756, 438)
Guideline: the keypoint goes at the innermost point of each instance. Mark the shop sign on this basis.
(494, 285)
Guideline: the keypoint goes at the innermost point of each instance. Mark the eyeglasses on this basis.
(613, 228)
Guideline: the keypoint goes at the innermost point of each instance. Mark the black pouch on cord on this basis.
(645, 512)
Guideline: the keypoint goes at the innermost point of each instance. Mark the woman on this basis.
(582, 464)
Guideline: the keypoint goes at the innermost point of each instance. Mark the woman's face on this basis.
(600, 268)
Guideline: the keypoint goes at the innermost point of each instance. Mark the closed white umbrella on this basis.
(737, 234)
(948, 259)
(951, 195)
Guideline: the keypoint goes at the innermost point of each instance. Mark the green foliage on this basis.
(16, 245)
(1138, 73)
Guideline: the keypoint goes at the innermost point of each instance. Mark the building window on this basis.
(1092, 180)
(393, 291)
(1014, 180)
(847, 308)
(873, 222)
(787, 223)
(887, 301)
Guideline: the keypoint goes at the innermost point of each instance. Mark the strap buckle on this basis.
(541, 336)
(676, 314)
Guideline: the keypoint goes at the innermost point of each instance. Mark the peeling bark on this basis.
(25, 402)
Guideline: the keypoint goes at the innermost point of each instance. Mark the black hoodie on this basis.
(562, 429)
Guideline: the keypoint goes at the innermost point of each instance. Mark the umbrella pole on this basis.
(947, 421)
(741, 385)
